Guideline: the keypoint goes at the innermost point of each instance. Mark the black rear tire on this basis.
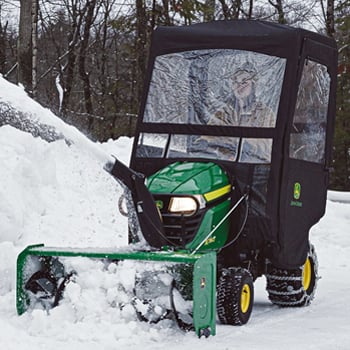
(293, 288)
(235, 296)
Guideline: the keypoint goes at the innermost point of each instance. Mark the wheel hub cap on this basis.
(307, 274)
(245, 298)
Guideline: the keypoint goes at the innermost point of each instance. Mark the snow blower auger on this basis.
(228, 173)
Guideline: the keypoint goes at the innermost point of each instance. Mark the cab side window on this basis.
(308, 135)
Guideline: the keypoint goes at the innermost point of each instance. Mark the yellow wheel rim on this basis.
(245, 298)
(307, 271)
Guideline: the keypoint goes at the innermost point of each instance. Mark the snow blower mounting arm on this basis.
(145, 206)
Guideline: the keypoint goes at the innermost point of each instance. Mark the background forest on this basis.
(86, 59)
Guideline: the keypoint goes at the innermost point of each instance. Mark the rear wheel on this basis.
(235, 296)
(294, 287)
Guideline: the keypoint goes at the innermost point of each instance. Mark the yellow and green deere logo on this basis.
(297, 190)
(296, 195)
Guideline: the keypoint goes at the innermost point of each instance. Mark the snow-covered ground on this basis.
(59, 194)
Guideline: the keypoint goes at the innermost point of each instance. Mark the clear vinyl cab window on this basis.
(308, 134)
(245, 150)
(216, 87)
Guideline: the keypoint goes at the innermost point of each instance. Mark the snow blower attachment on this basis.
(184, 283)
(228, 173)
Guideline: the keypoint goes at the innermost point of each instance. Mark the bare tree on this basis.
(329, 17)
(35, 6)
(84, 44)
(3, 29)
(76, 14)
(141, 42)
(231, 10)
(250, 11)
(167, 20)
(278, 5)
(24, 48)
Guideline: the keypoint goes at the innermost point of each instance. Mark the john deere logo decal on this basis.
(297, 190)
(296, 195)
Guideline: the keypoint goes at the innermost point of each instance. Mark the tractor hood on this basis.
(188, 178)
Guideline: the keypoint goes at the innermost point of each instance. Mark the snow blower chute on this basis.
(228, 173)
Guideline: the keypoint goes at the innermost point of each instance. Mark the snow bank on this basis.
(17, 99)
(339, 196)
(49, 189)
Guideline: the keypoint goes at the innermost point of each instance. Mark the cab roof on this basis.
(261, 36)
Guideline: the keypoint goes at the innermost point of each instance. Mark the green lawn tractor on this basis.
(228, 173)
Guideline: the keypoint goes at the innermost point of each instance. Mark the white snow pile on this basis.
(58, 193)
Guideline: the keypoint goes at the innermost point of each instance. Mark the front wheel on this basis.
(294, 287)
(235, 296)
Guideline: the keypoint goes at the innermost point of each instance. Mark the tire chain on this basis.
(285, 287)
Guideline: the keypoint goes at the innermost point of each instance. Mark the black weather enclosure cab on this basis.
(257, 98)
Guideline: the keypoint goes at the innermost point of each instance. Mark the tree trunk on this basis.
(232, 12)
(330, 18)
(167, 20)
(67, 72)
(250, 11)
(24, 45)
(279, 8)
(237, 9)
(89, 18)
(104, 56)
(141, 39)
(2, 46)
(35, 6)
(225, 9)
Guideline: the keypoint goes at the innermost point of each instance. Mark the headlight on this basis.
(183, 205)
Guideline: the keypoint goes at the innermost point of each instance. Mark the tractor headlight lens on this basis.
(183, 205)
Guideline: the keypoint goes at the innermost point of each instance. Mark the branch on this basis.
(323, 10)
(343, 48)
(11, 70)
